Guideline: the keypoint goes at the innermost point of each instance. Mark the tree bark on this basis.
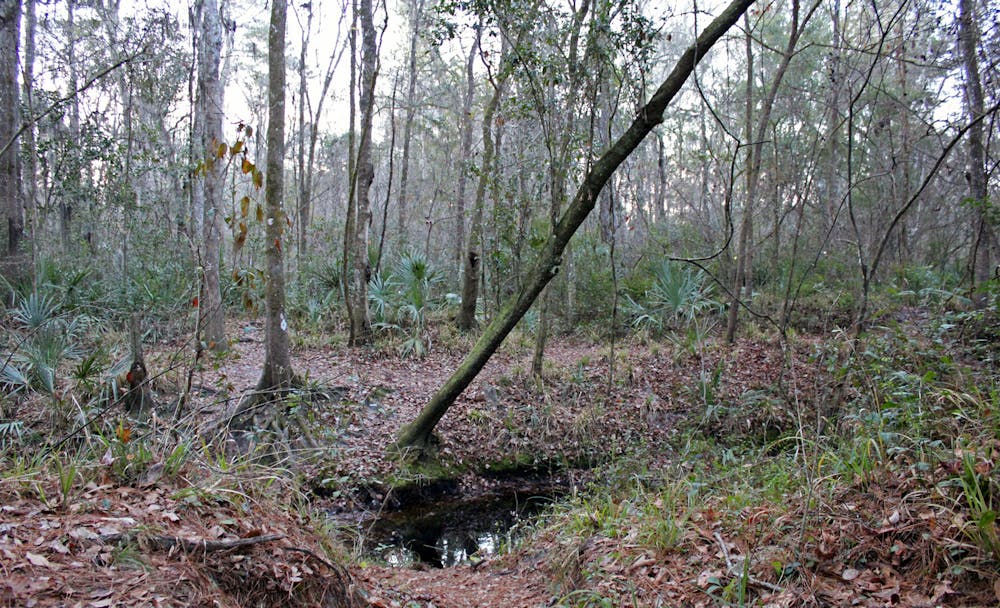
(211, 93)
(466, 153)
(67, 202)
(303, 205)
(416, 435)
(472, 262)
(404, 162)
(30, 142)
(10, 186)
(984, 239)
(277, 373)
(358, 231)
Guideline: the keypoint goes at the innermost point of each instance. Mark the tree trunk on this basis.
(303, 206)
(10, 186)
(466, 153)
(30, 143)
(741, 282)
(558, 139)
(404, 161)
(416, 435)
(984, 239)
(352, 164)
(277, 373)
(358, 232)
(472, 262)
(69, 198)
(211, 94)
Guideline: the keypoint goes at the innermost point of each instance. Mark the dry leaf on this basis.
(850, 574)
(40, 560)
(58, 547)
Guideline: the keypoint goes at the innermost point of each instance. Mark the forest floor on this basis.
(641, 524)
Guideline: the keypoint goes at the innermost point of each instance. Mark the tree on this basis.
(10, 187)
(471, 263)
(416, 15)
(756, 145)
(416, 436)
(307, 145)
(30, 143)
(277, 373)
(559, 132)
(359, 217)
(466, 153)
(210, 105)
(984, 239)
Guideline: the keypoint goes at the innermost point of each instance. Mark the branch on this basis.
(923, 186)
(166, 543)
(55, 104)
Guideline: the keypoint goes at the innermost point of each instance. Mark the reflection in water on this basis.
(443, 535)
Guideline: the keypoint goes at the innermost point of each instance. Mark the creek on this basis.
(450, 531)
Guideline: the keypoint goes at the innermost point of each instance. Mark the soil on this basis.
(506, 428)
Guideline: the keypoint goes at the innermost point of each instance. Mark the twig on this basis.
(315, 556)
(165, 543)
(733, 567)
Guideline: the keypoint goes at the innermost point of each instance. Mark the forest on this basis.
(471, 303)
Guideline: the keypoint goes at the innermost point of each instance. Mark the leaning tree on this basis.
(416, 436)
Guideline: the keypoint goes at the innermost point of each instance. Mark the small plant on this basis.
(675, 299)
(67, 474)
(127, 456)
(177, 458)
(978, 490)
(10, 433)
(401, 300)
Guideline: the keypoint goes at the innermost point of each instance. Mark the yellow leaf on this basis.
(258, 178)
(223, 148)
(237, 148)
(249, 131)
(260, 213)
(246, 166)
(244, 206)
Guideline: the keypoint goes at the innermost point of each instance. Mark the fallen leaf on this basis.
(82, 533)
(40, 560)
(850, 574)
(57, 546)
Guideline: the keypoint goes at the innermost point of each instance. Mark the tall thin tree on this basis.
(984, 238)
(10, 187)
(359, 222)
(210, 103)
(277, 372)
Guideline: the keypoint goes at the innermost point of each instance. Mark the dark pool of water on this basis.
(448, 533)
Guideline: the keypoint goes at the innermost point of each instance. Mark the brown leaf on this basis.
(40, 560)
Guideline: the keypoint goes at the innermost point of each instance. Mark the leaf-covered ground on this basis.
(642, 442)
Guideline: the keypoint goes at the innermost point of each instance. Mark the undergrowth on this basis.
(893, 494)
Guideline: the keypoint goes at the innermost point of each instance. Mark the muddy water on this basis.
(447, 532)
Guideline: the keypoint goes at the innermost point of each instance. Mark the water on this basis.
(449, 533)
